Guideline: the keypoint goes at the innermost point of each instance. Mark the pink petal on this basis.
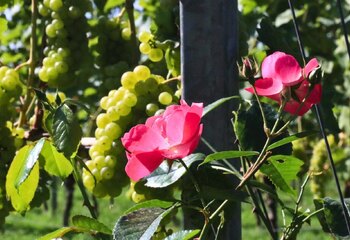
(293, 107)
(142, 139)
(142, 164)
(268, 65)
(266, 87)
(288, 70)
(315, 95)
(310, 66)
(184, 149)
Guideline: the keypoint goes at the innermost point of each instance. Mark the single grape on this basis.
(107, 173)
(145, 48)
(144, 37)
(126, 33)
(56, 4)
(142, 72)
(155, 55)
(151, 109)
(130, 99)
(165, 98)
(113, 130)
(102, 120)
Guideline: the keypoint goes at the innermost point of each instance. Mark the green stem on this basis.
(78, 180)
(31, 62)
(262, 111)
(129, 6)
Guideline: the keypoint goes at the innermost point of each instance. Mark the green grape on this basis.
(107, 173)
(165, 98)
(110, 161)
(155, 55)
(99, 132)
(50, 31)
(43, 75)
(126, 33)
(144, 37)
(104, 142)
(151, 109)
(113, 130)
(55, 5)
(99, 162)
(57, 24)
(123, 109)
(130, 99)
(142, 72)
(145, 48)
(43, 11)
(128, 80)
(103, 103)
(113, 113)
(89, 181)
(102, 120)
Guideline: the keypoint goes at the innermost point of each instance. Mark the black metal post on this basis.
(209, 46)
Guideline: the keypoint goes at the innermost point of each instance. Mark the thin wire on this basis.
(345, 31)
(320, 122)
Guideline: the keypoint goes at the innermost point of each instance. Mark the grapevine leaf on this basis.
(59, 233)
(166, 175)
(55, 163)
(112, 4)
(291, 139)
(332, 217)
(149, 204)
(183, 235)
(90, 224)
(29, 163)
(43, 99)
(227, 155)
(281, 170)
(140, 224)
(22, 196)
(216, 104)
(3, 25)
(66, 130)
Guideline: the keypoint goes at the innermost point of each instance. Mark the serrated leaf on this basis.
(90, 224)
(183, 235)
(166, 175)
(332, 218)
(216, 104)
(66, 131)
(227, 155)
(22, 196)
(291, 139)
(281, 170)
(55, 163)
(29, 163)
(149, 204)
(140, 224)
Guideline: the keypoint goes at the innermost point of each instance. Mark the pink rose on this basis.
(171, 135)
(282, 73)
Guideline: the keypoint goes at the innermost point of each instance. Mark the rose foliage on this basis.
(284, 80)
(171, 135)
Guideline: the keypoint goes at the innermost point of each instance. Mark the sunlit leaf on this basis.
(227, 155)
(90, 224)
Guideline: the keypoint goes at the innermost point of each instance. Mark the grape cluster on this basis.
(138, 192)
(10, 85)
(141, 95)
(320, 167)
(66, 41)
(149, 47)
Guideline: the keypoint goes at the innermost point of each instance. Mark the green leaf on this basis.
(29, 163)
(227, 155)
(90, 224)
(140, 224)
(282, 169)
(216, 104)
(70, 101)
(66, 131)
(183, 235)
(3, 25)
(43, 99)
(291, 139)
(166, 175)
(22, 196)
(58, 233)
(149, 204)
(332, 218)
(55, 163)
(112, 4)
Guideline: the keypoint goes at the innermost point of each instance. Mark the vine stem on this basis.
(129, 6)
(321, 125)
(78, 180)
(31, 63)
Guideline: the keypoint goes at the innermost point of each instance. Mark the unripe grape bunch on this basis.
(66, 28)
(148, 46)
(141, 95)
